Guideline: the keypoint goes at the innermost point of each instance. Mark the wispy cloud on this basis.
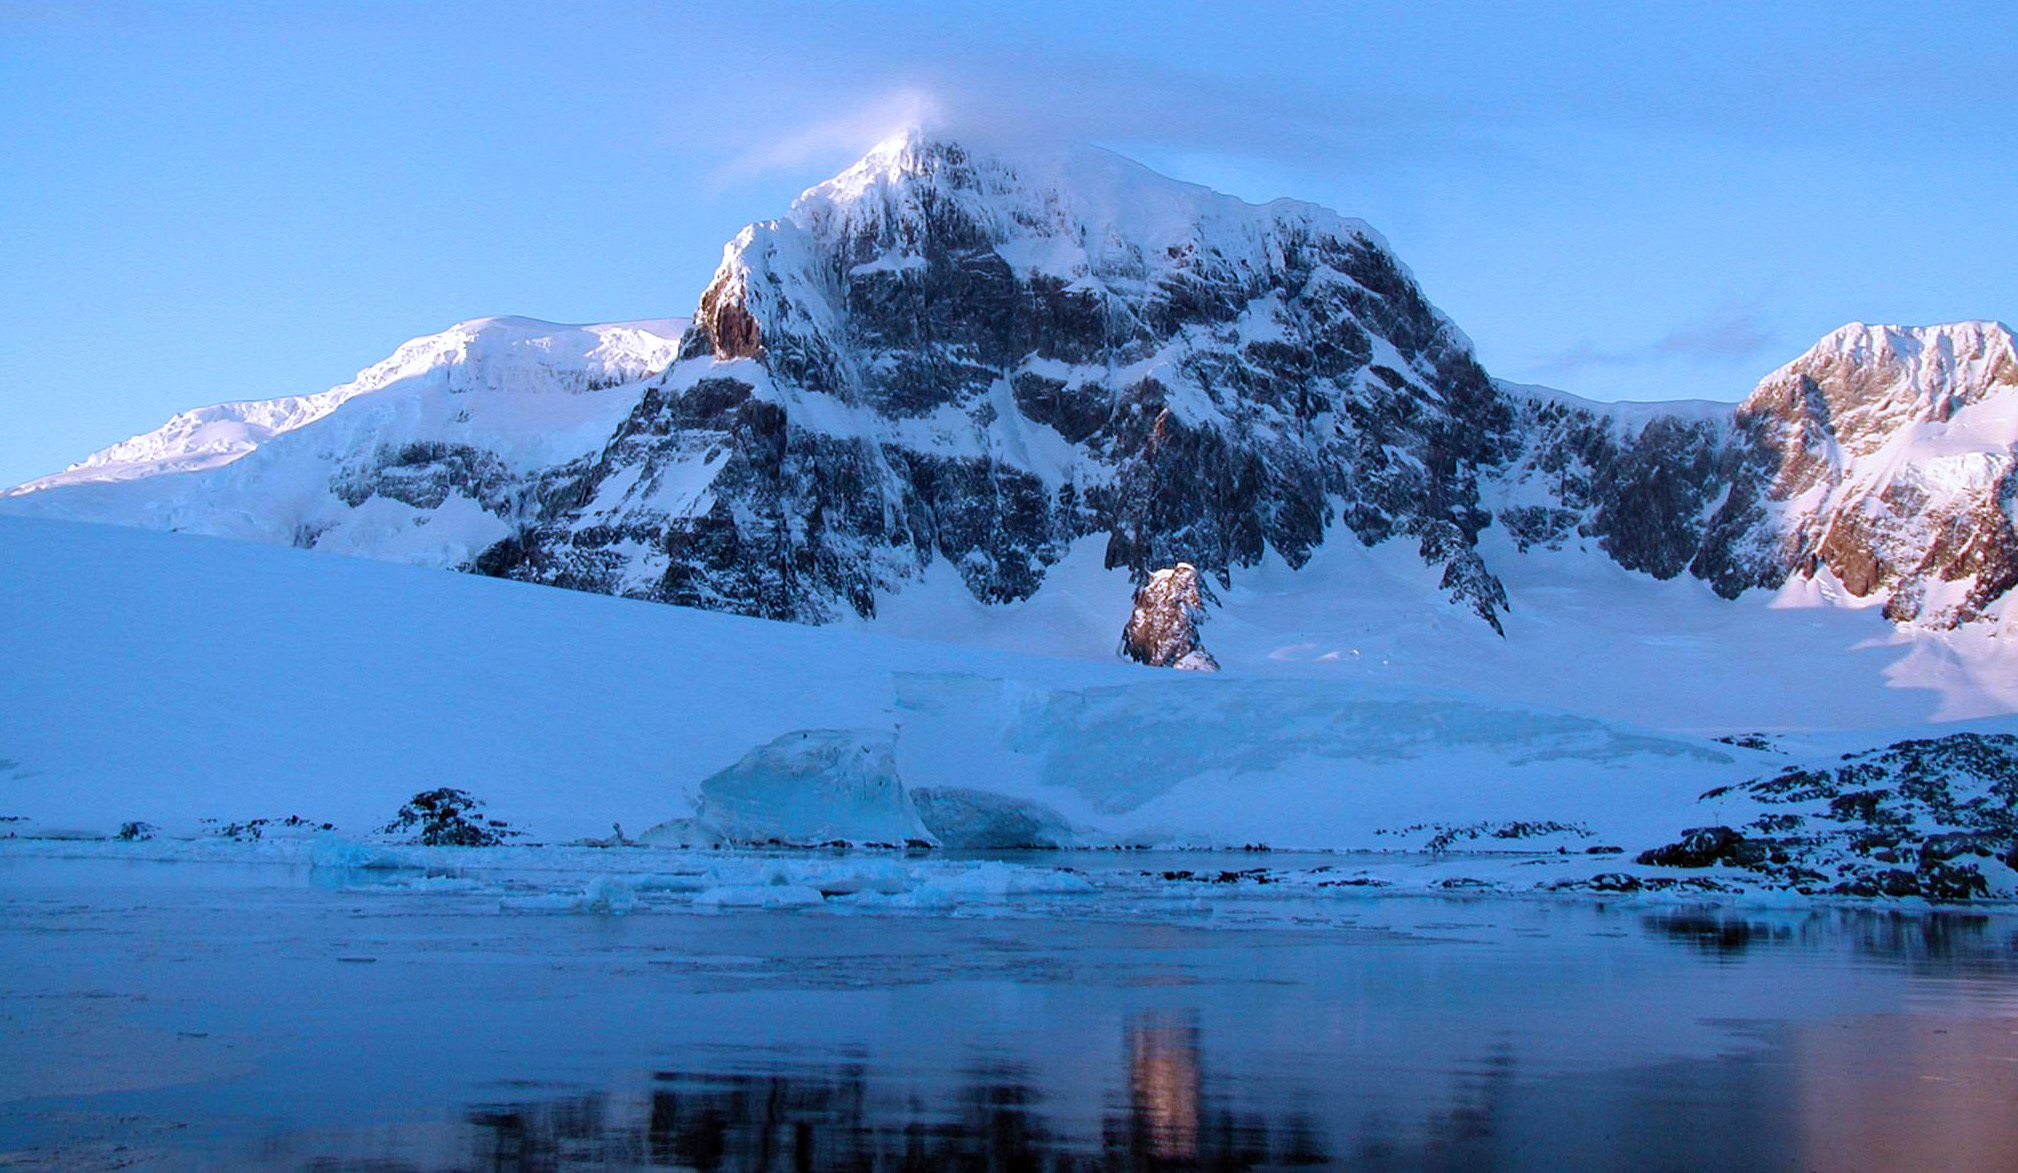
(1732, 333)
(816, 115)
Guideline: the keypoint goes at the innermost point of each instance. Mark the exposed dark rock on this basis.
(1449, 835)
(1748, 853)
(252, 829)
(1241, 876)
(1614, 882)
(1893, 821)
(1699, 847)
(424, 476)
(1942, 847)
(1758, 741)
(1892, 882)
(1952, 882)
(446, 817)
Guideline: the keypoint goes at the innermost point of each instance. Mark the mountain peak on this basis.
(1882, 341)
(1863, 367)
(1002, 187)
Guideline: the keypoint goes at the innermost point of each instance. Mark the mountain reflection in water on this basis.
(845, 1117)
(1876, 1094)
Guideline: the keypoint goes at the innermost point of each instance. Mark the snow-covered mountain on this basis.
(954, 364)
(946, 355)
(430, 456)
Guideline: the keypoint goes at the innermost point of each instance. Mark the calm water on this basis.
(169, 1016)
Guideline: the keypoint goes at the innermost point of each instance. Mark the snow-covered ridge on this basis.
(1063, 212)
(1893, 371)
(428, 457)
(1911, 363)
(521, 354)
(1629, 414)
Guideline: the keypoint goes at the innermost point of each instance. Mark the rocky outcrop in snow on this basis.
(1933, 817)
(1884, 456)
(1162, 631)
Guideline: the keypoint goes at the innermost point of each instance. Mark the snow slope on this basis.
(180, 688)
(168, 679)
(1584, 634)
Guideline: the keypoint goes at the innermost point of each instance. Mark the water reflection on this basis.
(1946, 940)
(1908, 1093)
(1878, 1094)
(1163, 1087)
(847, 1116)
(1885, 1092)
(1421, 1034)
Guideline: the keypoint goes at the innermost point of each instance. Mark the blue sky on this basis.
(201, 202)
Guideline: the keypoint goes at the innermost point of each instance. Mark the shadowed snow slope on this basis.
(168, 679)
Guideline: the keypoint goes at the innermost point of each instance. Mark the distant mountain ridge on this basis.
(949, 356)
(1882, 459)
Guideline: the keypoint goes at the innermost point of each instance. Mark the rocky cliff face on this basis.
(1885, 456)
(951, 357)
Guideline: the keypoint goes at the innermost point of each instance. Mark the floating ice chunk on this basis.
(607, 894)
(669, 882)
(330, 851)
(994, 881)
(813, 787)
(679, 833)
(770, 884)
(849, 876)
(600, 894)
(982, 884)
(437, 884)
(759, 896)
(979, 819)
